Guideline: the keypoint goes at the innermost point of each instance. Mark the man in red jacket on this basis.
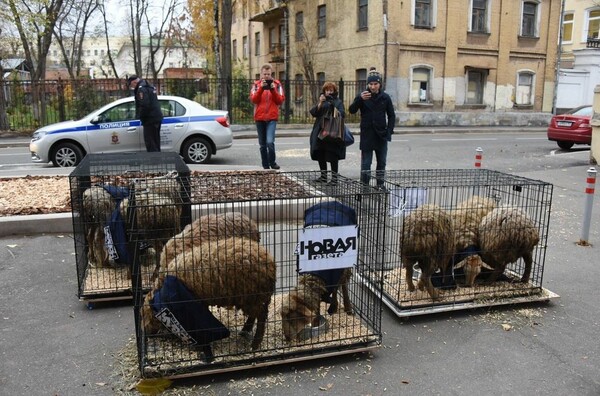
(267, 95)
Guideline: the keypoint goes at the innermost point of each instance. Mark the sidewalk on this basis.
(295, 130)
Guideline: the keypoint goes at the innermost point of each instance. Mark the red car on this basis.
(572, 127)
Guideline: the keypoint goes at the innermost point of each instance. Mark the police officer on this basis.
(147, 110)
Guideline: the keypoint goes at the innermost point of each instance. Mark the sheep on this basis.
(427, 239)
(505, 235)
(232, 272)
(157, 215)
(302, 306)
(467, 217)
(206, 228)
(97, 206)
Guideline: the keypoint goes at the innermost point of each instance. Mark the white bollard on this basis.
(589, 200)
(478, 157)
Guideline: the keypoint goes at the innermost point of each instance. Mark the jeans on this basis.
(366, 158)
(266, 142)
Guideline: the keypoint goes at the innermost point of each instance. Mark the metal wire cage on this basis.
(102, 187)
(235, 289)
(423, 202)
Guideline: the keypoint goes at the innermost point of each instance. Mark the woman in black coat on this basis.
(325, 150)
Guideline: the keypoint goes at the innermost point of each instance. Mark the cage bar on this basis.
(102, 187)
(246, 245)
(408, 190)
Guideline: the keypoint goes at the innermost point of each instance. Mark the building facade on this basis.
(443, 60)
(579, 71)
(94, 57)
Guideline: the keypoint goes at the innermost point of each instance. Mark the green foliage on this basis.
(186, 88)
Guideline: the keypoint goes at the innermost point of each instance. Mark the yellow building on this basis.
(581, 29)
(472, 57)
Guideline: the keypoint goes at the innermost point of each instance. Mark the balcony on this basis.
(274, 13)
(593, 42)
(277, 52)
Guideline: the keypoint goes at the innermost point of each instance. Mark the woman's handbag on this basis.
(332, 127)
(348, 137)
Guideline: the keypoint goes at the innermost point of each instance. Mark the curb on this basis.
(54, 223)
(295, 130)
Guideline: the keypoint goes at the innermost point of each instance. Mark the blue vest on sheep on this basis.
(185, 316)
(117, 224)
(331, 214)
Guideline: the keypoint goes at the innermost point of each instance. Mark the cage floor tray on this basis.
(406, 304)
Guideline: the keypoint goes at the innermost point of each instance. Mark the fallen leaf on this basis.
(12, 246)
(506, 327)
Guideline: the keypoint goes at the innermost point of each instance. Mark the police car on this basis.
(188, 128)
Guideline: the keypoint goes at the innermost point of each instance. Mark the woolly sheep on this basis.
(505, 235)
(97, 206)
(206, 228)
(302, 306)
(427, 239)
(466, 217)
(233, 272)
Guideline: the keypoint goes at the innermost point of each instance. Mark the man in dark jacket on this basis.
(377, 120)
(147, 110)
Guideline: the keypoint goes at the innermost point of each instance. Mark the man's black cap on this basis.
(130, 79)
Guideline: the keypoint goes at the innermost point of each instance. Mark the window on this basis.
(361, 80)
(234, 50)
(420, 86)
(299, 26)
(593, 24)
(321, 21)
(422, 15)
(245, 47)
(299, 87)
(257, 43)
(529, 19)
(282, 35)
(475, 84)
(567, 28)
(525, 84)
(479, 16)
(321, 78)
(272, 40)
(96, 52)
(363, 14)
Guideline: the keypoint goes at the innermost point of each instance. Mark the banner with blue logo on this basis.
(324, 248)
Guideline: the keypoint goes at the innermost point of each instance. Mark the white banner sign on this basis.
(327, 248)
(403, 200)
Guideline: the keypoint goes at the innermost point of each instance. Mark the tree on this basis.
(71, 29)
(34, 21)
(144, 26)
(4, 124)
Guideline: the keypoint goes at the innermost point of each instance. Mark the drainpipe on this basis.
(385, 39)
(558, 57)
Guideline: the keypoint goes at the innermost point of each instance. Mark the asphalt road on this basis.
(51, 344)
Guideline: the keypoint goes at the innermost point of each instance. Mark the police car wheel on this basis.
(197, 151)
(66, 154)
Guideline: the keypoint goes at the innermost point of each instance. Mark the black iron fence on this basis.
(64, 100)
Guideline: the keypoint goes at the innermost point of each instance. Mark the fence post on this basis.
(478, 157)
(587, 212)
(286, 104)
(341, 89)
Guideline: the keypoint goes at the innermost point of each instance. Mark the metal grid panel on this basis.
(221, 265)
(447, 188)
(101, 188)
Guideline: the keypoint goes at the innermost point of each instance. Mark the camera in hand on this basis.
(329, 97)
(268, 83)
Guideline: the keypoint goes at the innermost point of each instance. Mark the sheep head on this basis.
(472, 268)
(150, 324)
